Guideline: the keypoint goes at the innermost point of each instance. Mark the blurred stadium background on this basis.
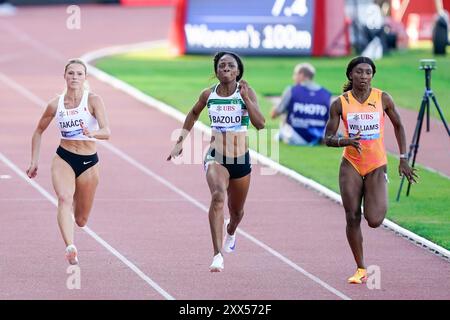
(275, 35)
(305, 27)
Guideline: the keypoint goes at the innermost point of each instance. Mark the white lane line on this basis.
(263, 160)
(23, 91)
(199, 205)
(37, 45)
(89, 231)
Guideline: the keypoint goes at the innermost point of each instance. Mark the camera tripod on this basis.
(428, 66)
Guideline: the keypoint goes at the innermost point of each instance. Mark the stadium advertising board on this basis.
(251, 27)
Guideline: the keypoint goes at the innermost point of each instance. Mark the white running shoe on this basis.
(217, 264)
(71, 254)
(230, 240)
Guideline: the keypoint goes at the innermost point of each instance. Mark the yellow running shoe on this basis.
(359, 277)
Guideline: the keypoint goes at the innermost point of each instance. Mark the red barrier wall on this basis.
(419, 16)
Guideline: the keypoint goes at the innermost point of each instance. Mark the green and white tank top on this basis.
(227, 113)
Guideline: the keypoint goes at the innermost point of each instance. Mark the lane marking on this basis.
(89, 231)
(178, 115)
(32, 97)
(192, 200)
(22, 36)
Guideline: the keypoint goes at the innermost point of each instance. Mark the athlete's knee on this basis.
(353, 219)
(375, 223)
(376, 217)
(218, 199)
(236, 213)
(81, 221)
(65, 199)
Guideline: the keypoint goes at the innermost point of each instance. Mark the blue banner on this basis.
(262, 27)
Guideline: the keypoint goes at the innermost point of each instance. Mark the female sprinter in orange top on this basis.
(362, 174)
(81, 119)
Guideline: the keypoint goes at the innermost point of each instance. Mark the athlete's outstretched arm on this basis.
(43, 123)
(249, 97)
(189, 122)
(389, 108)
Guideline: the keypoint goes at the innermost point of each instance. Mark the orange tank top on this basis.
(368, 118)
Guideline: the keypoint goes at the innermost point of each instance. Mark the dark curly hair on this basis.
(353, 63)
(235, 56)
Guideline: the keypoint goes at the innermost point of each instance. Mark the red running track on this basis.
(153, 212)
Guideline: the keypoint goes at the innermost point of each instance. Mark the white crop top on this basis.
(69, 121)
(227, 113)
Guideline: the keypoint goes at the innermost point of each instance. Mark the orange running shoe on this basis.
(359, 277)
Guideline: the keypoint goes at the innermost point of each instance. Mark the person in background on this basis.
(306, 108)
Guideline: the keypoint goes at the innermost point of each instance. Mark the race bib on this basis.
(368, 123)
(225, 115)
